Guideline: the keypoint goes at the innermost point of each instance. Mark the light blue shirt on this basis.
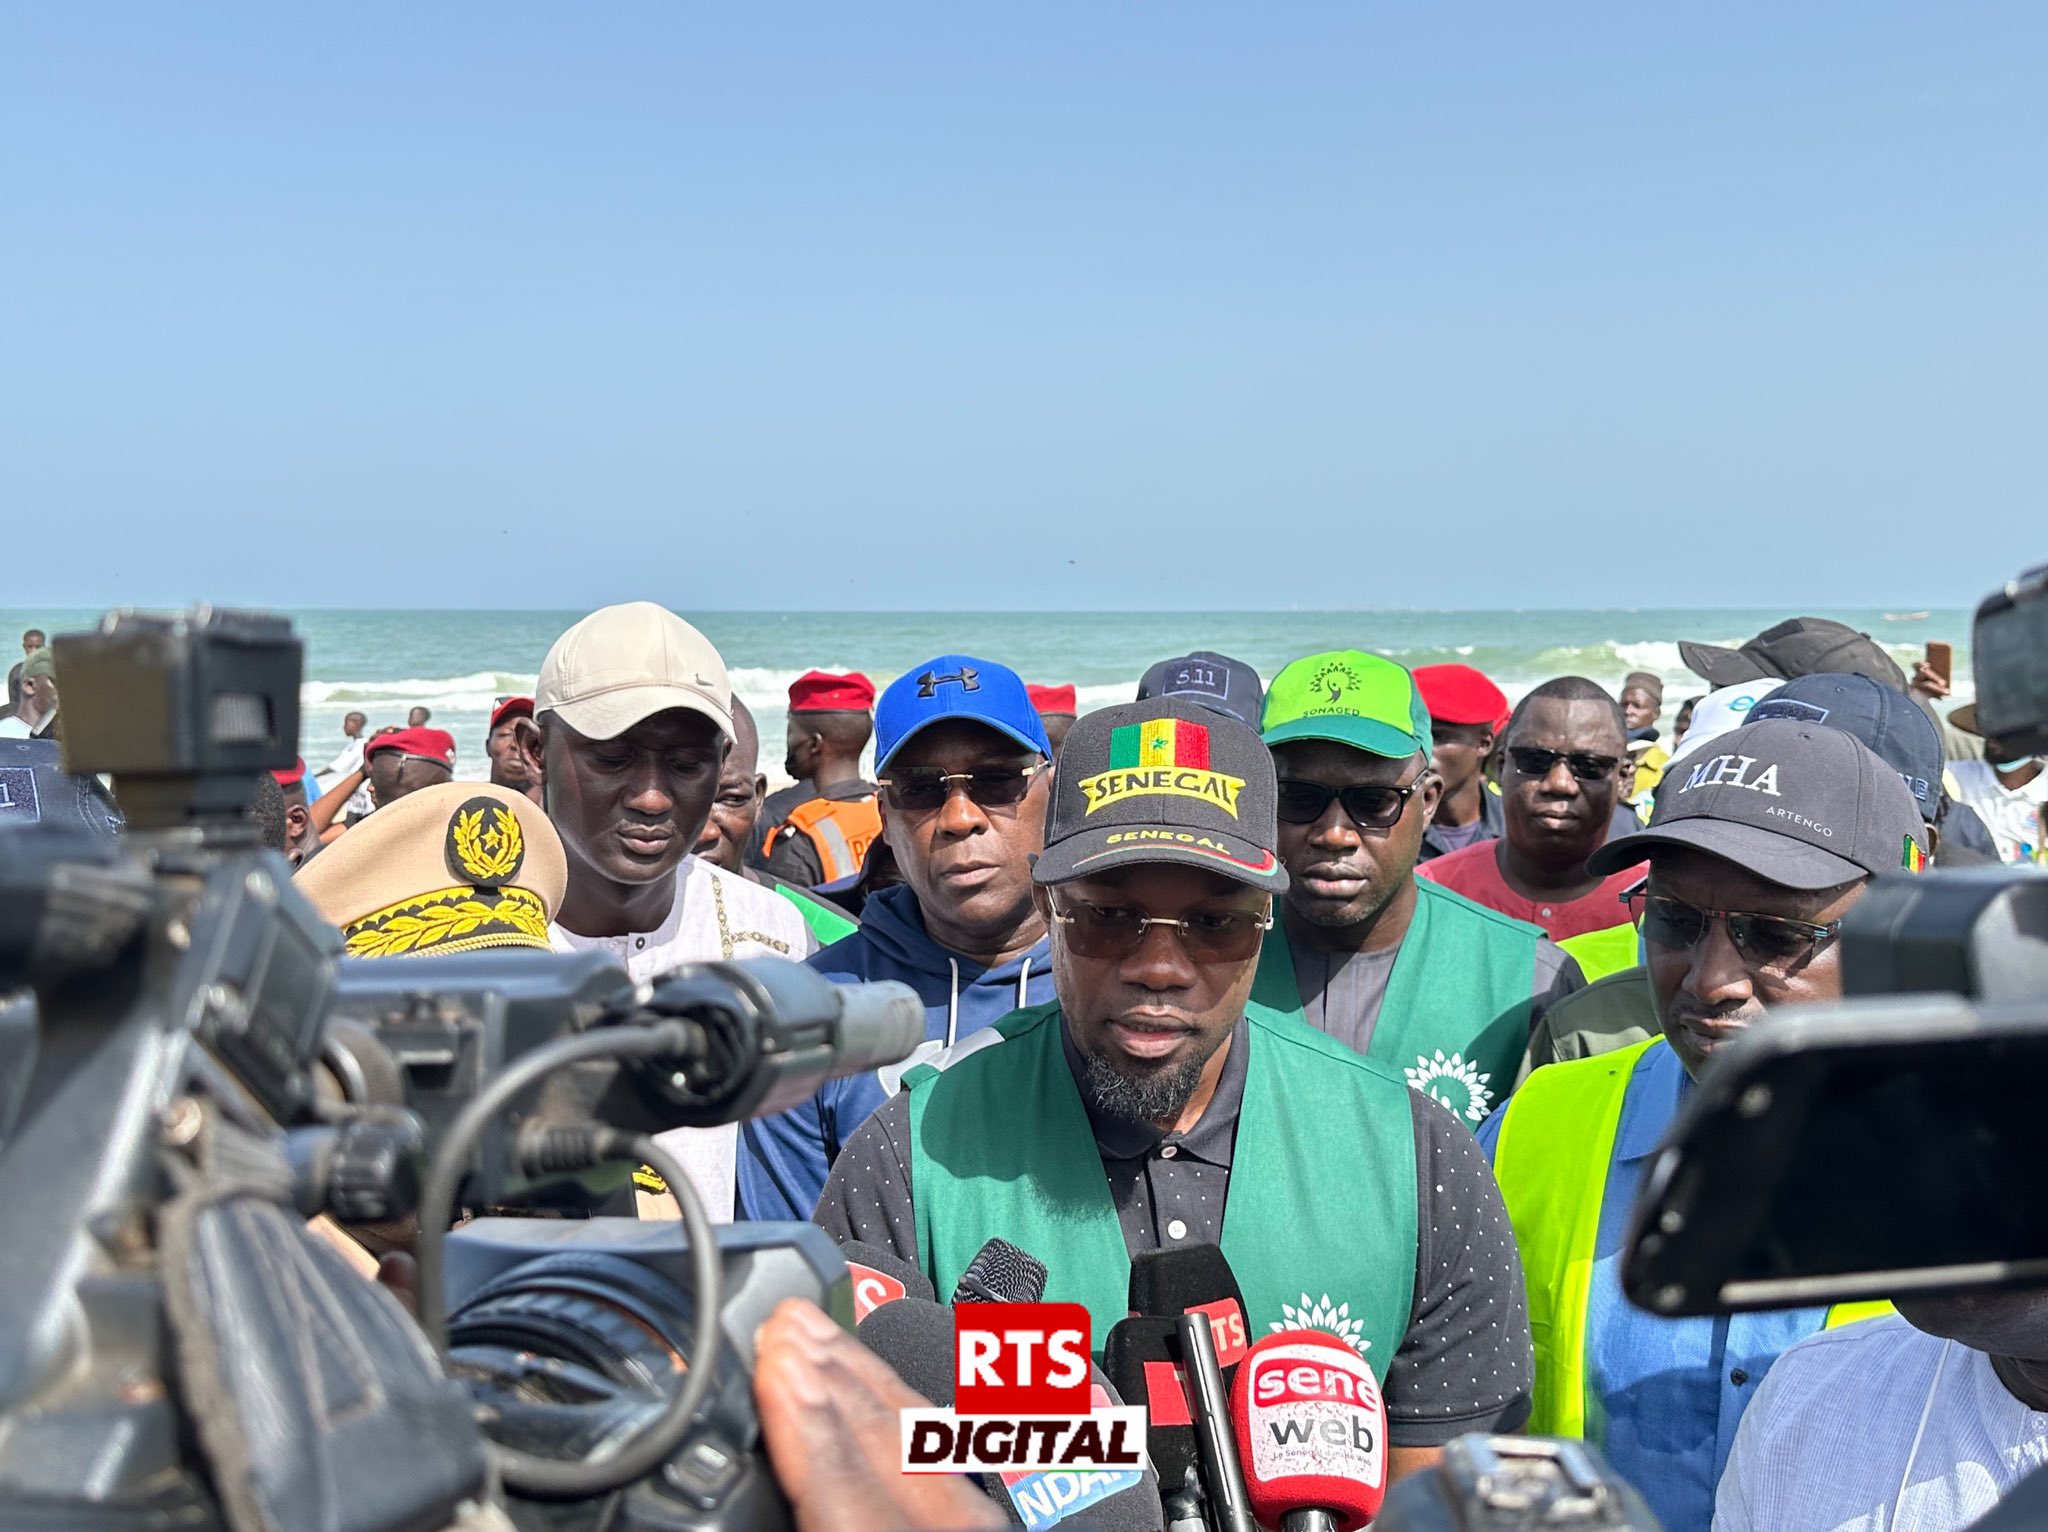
(1664, 1396)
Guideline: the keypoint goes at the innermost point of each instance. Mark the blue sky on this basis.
(1047, 305)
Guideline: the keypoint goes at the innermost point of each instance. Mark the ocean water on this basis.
(457, 663)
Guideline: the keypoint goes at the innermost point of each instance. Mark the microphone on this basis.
(880, 1277)
(1312, 1433)
(1214, 1440)
(1194, 1279)
(1001, 1273)
(1142, 1357)
(915, 1337)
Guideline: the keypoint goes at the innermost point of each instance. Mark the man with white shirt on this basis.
(632, 719)
(1917, 1423)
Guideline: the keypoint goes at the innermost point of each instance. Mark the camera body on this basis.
(205, 1072)
(569, 1332)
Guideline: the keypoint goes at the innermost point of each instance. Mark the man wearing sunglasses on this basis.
(1763, 841)
(1400, 969)
(965, 777)
(1565, 745)
(1152, 1106)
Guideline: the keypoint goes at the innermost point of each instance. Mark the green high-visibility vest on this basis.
(1319, 1225)
(1556, 1142)
(1455, 1017)
(828, 926)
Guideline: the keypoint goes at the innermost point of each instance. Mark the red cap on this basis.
(1052, 699)
(421, 744)
(291, 776)
(511, 707)
(1460, 694)
(818, 691)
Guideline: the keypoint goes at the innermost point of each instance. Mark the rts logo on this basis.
(1023, 1403)
(1020, 1358)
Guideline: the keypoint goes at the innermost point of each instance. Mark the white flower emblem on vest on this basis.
(1319, 1315)
(1456, 1082)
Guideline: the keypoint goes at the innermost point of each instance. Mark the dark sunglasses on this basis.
(1370, 805)
(1531, 761)
(1117, 931)
(1771, 942)
(925, 789)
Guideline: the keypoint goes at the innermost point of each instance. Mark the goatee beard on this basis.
(1155, 1098)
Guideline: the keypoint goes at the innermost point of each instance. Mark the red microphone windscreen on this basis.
(1311, 1429)
(880, 1277)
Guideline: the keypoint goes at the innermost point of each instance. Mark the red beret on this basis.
(1052, 699)
(818, 691)
(511, 707)
(420, 744)
(1460, 694)
(291, 776)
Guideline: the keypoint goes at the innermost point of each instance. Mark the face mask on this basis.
(2025, 760)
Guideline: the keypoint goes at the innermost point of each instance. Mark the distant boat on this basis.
(1905, 616)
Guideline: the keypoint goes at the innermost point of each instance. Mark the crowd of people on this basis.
(1385, 986)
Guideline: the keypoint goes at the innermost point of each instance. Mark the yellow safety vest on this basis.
(1556, 1142)
(1601, 953)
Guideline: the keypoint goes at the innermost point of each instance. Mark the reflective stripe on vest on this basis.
(1600, 953)
(1556, 1142)
(841, 829)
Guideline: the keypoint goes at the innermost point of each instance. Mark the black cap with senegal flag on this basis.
(1352, 698)
(1164, 780)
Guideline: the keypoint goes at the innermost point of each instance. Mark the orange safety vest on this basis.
(841, 829)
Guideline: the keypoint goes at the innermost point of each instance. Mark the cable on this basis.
(445, 1171)
(549, 1477)
(1933, 1389)
(648, 1448)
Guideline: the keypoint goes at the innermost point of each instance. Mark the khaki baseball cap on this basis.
(623, 664)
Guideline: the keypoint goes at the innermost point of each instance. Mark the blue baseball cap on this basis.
(956, 686)
(1884, 718)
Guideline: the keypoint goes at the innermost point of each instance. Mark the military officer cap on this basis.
(452, 868)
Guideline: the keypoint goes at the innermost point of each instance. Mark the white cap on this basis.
(1717, 713)
(623, 664)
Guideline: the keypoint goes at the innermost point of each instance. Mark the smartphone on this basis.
(1941, 659)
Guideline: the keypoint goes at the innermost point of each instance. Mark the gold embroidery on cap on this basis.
(451, 920)
(484, 844)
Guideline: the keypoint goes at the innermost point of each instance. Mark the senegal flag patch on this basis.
(1165, 755)
(1914, 858)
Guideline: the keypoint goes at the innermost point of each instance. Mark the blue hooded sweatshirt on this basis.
(784, 1159)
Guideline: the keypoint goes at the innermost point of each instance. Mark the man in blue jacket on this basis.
(965, 774)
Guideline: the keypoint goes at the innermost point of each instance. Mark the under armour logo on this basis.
(966, 678)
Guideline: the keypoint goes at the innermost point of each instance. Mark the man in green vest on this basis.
(1151, 1107)
(1761, 844)
(1401, 969)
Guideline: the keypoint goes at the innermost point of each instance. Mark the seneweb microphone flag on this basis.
(1311, 1429)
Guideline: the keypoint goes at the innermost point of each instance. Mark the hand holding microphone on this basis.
(915, 1336)
(829, 1412)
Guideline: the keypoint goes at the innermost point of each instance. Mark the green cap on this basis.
(39, 665)
(1352, 697)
